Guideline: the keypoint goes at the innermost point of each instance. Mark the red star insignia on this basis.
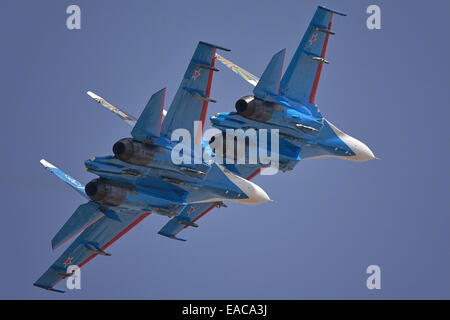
(191, 210)
(68, 261)
(196, 74)
(313, 38)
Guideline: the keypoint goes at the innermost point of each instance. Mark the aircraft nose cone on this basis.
(362, 152)
(256, 195)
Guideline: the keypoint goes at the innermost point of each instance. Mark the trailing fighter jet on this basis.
(287, 103)
(141, 177)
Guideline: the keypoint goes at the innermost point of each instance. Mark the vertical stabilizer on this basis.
(269, 84)
(149, 123)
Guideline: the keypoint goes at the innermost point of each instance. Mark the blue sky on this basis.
(330, 219)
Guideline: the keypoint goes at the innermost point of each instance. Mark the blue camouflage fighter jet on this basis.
(287, 102)
(141, 177)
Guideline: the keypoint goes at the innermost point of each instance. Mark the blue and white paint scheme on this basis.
(287, 102)
(141, 178)
(73, 183)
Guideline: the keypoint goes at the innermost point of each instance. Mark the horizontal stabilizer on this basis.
(77, 186)
(149, 123)
(269, 84)
(83, 217)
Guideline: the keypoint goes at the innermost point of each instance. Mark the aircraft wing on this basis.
(191, 100)
(92, 242)
(188, 216)
(244, 74)
(129, 119)
(192, 213)
(73, 183)
(83, 217)
(302, 76)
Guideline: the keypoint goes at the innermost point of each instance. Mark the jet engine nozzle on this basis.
(233, 147)
(134, 152)
(245, 107)
(95, 190)
(108, 192)
(122, 147)
(256, 109)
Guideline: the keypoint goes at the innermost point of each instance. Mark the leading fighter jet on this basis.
(141, 177)
(287, 103)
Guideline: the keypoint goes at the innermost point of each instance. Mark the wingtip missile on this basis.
(244, 74)
(118, 112)
(122, 114)
(47, 164)
(94, 96)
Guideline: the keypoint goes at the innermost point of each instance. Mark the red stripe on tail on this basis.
(312, 97)
(198, 138)
(162, 111)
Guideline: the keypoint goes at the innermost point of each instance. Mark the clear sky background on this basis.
(330, 219)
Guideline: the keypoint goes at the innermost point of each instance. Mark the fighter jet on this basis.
(287, 102)
(141, 178)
